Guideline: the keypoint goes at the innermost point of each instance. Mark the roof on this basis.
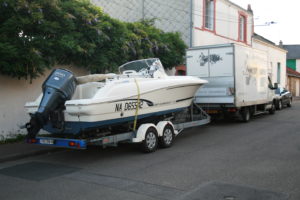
(263, 39)
(291, 72)
(259, 37)
(293, 51)
(240, 7)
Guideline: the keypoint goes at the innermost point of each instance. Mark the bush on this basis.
(38, 34)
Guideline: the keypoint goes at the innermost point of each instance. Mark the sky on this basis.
(285, 13)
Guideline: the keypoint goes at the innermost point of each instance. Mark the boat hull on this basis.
(79, 118)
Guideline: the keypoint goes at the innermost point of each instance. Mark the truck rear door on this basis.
(215, 64)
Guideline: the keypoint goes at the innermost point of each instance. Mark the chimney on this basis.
(249, 9)
(281, 44)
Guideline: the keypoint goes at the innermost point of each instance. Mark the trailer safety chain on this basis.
(138, 104)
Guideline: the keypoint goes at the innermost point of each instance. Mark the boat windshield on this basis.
(143, 67)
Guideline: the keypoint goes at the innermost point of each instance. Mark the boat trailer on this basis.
(150, 135)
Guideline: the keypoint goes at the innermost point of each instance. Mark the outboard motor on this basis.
(57, 89)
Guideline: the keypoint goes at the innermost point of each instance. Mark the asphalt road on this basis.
(259, 160)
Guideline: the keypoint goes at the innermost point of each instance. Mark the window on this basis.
(209, 17)
(242, 28)
(278, 73)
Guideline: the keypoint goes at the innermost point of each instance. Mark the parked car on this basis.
(283, 98)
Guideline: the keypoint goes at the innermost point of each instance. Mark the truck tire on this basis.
(245, 114)
(166, 140)
(273, 109)
(289, 104)
(279, 105)
(150, 142)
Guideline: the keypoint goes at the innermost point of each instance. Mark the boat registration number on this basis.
(128, 106)
(47, 141)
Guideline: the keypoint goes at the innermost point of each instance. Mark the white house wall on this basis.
(14, 94)
(275, 55)
(226, 24)
(298, 65)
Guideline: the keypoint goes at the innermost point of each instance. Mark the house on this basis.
(293, 81)
(293, 56)
(203, 22)
(293, 68)
(276, 58)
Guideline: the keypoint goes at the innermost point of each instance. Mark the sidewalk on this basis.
(21, 150)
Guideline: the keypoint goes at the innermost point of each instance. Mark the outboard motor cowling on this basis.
(57, 89)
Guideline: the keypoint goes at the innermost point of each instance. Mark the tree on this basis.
(37, 34)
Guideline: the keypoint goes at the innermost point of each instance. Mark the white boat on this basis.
(142, 92)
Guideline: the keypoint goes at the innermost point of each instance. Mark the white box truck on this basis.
(239, 80)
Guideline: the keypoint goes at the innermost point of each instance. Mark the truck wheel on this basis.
(150, 143)
(279, 105)
(245, 114)
(273, 109)
(289, 104)
(167, 138)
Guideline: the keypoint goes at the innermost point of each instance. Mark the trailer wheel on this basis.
(167, 137)
(273, 109)
(245, 114)
(151, 140)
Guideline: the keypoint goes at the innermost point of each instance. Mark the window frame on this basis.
(213, 29)
(245, 35)
(278, 72)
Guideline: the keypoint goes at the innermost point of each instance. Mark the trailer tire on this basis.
(166, 140)
(245, 114)
(150, 142)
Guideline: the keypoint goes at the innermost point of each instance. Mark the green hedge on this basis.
(38, 34)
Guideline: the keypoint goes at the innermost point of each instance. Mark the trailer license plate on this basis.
(46, 141)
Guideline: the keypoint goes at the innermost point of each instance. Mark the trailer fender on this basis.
(161, 125)
(141, 132)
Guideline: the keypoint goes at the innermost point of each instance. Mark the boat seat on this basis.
(87, 90)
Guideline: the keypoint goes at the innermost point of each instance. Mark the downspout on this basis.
(191, 23)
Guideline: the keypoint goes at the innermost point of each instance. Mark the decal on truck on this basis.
(212, 59)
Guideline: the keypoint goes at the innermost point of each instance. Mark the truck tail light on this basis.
(231, 109)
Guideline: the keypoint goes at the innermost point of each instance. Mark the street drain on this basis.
(229, 198)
